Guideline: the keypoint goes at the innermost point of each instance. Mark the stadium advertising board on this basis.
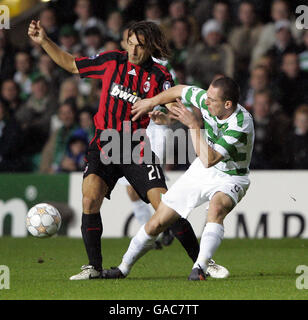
(275, 205)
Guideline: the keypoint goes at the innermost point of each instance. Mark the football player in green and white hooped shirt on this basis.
(219, 174)
(182, 230)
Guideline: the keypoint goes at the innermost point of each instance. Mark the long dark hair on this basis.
(154, 39)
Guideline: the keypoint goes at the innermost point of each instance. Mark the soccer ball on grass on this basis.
(43, 220)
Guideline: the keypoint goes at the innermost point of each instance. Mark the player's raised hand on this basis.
(158, 117)
(181, 113)
(36, 32)
(141, 108)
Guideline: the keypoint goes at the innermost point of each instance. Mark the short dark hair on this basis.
(155, 41)
(230, 90)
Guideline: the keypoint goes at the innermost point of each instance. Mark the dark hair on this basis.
(266, 92)
(230, 90)
(155, 41)
(183, 20)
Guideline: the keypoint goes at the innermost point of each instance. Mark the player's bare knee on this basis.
(153, 227)
(91, 204)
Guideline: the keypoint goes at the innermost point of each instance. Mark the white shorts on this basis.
(199, 184)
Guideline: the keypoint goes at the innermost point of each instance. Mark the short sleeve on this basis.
(195, 96)
(94, 66)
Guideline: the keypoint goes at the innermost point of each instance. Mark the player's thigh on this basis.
(133, 195)
(145, 177)
(163, 217)
(220, 205)
(94, 189)
(154, 195)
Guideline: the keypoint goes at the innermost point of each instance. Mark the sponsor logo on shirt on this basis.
(118, 91)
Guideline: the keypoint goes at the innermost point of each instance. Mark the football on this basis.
(43, 220)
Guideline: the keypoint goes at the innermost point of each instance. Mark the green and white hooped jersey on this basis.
(233, 138)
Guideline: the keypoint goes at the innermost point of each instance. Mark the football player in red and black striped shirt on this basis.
(126, 77)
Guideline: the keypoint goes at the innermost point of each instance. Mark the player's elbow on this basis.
(73, 68)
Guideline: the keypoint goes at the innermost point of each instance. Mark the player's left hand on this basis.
(159, 117)
(181, 113)
(141, 108)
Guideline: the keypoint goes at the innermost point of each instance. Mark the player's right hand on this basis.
(158, 117)
(36, 32)
(140, 108)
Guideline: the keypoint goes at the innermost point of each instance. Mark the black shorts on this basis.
(142, 177)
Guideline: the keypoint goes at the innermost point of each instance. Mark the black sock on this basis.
(184, 232)
(92, 230)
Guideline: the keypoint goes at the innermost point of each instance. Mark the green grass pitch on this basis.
(261, 269)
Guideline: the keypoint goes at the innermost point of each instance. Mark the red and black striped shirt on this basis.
(122, 84)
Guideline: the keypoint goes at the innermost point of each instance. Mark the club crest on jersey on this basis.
(146, 86)
(120, 92)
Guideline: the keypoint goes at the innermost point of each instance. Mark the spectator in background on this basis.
(111, 44)
(6, 57)
(267, 62)
(68, 38)
(283, 42)
(49, 23)
(46, 68)
(23, 73)
(209, 57)
(10, 141)
(291, 84)
(221, 13)
(180, 39)
(271, 132)
(73, 159)
(85, 19)
(279, 11)
(259, 80)
(114, 25)
(56, 146)
(243, 39)
(86, 122)
(10, 93)
(93, 42)
(180, 73)
(178, 11)
(34, 118)
(69, 89)
(303, 56)
(296, 150)
(153, 11)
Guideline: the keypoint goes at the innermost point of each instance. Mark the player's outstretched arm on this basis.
(144, 106)
(65, 60)
(207, 155)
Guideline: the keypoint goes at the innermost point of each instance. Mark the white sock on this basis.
(212, 236)
(139, 245)
(141, 211)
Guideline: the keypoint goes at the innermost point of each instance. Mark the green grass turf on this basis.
(260, 269)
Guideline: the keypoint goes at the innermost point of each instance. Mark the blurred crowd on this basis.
(46, 114)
